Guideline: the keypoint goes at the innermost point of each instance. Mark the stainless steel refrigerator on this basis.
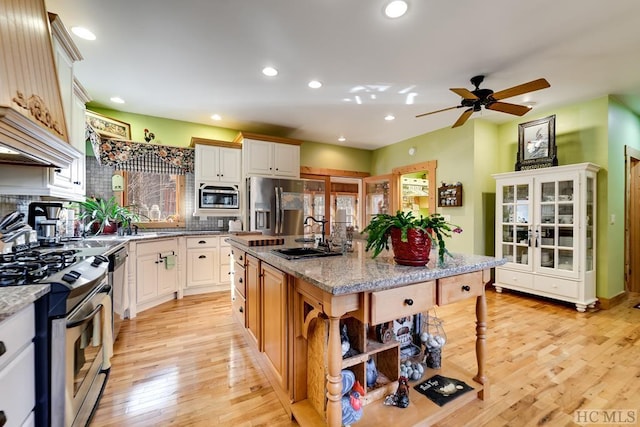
(278, 206)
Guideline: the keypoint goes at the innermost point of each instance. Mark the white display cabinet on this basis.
(545, 228)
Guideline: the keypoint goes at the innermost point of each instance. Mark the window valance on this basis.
(140, 156)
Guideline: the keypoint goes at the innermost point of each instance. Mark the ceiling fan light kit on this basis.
(474, 100)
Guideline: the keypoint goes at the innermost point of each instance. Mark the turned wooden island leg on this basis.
(334, 376)
(481, 338)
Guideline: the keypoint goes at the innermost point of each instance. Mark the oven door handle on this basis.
(86, 319)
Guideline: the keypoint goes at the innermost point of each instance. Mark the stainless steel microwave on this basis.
(216, 197)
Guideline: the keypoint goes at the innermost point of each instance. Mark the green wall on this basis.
(624, 129)
(332, 156)
(453, 150)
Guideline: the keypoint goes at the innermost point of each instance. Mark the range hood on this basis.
(32, 123)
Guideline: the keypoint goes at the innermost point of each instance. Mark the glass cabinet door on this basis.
(515, 223)
(377, 195)
(556, 231)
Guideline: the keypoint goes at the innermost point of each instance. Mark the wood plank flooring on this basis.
(185, 363)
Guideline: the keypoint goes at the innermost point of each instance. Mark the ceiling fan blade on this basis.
(463, 118)
(438, 111)
(520, 89)
(505, 107)
(464, 93)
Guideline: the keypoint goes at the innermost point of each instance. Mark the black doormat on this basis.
(441, 390)
(637, 305)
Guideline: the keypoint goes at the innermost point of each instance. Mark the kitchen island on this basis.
(293, 312)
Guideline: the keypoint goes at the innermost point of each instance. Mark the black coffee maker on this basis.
(44, 218)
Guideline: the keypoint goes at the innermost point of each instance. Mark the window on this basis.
(156, 197)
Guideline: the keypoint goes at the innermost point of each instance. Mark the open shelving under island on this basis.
(293, 311)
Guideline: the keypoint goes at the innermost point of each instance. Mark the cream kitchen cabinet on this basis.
(155, 272)
(17, 368)
(545, 228)
(266, 158)
(217, 164)
(208, 262)
(274, 320)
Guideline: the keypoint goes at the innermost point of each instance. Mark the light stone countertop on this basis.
(14, 298)
(357, 271)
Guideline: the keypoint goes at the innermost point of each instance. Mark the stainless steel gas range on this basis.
(73, 330)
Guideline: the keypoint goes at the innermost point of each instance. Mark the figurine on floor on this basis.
(401, 397)
(351, 404)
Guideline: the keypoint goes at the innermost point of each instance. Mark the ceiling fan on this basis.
(475, 99)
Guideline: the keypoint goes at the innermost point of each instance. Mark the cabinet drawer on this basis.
(238, 308)
(399, 302)
(17, 393)
(16, 333)
(553, 285)
(158, 246)
(239, 282)
(225, 255)
(202, 242)
(239, 257)
(456, 288)
(514, 278)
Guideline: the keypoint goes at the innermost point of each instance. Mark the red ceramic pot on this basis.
(415, 251)
(112, 228)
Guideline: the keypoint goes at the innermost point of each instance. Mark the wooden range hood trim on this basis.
(37, 145)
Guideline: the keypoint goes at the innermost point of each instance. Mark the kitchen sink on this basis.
(302, 253)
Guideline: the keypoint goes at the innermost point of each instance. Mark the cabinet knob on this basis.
(3, 418)
(202, 256)
(241, 310)
(408, 301)
(466, 288)
(202, 242)
(241, 258)
(3, 348)
(240, 280)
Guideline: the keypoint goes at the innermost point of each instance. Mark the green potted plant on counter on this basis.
(411, 238)
(105, 215)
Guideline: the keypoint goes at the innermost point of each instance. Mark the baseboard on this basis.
(607, 303)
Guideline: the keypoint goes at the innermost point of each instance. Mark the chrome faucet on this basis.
(322, 222)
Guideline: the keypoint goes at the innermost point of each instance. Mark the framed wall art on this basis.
(537, 144)
(108, 127)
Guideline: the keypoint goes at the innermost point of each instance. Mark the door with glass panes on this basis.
(539, 224)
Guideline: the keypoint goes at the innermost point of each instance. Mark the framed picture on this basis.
(537, 144)
(108, 127)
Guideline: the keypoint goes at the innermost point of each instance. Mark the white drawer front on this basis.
(553, 285)
(202, 242)
(17, 387)
(514, 278)
(16, 333)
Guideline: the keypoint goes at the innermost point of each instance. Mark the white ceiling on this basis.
(187, 60)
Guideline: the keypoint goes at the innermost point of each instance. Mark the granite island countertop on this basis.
(356, 271)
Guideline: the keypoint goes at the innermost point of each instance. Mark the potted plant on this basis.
(105, 216)
(411, 237)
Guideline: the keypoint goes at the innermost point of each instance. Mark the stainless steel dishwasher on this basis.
(117, 280)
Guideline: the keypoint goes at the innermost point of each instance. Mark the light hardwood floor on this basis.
(185, 363)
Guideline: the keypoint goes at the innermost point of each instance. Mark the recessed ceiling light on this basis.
(216, 117)
(396, 9)
(269, 71)
(342, 139)
(117, 100)
(389, 117)
(315, 84)
(83, 33)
